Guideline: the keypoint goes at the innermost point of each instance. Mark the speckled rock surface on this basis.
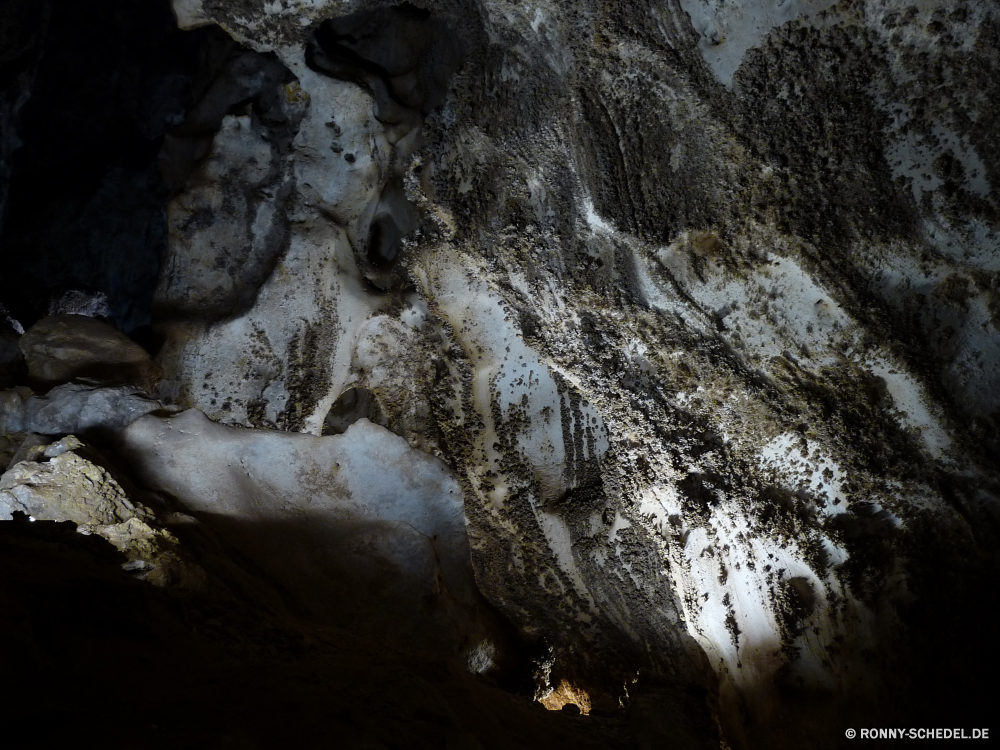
(699, 303)
(702, 308)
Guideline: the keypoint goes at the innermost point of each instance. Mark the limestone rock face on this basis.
(701, 302)
(61, 348)
(74, 407)
(363, 530)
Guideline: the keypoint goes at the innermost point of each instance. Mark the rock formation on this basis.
(640, 358)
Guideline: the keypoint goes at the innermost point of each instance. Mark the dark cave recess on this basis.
(102, 84)
(113, 106)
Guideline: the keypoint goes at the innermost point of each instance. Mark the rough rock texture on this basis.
(363, 530)
(67, 488)
(704, 296)
(101, 413)
(699, 303)
(53, 482)
(61, 348)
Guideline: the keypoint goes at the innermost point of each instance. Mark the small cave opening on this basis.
(384, 240)
(353, 404)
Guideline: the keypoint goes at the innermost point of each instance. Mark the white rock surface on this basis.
(702, 309)
(297, 341)
(361, 529)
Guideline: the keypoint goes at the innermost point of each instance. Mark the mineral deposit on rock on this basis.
(649, 349)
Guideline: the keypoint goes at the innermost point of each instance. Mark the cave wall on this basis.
(714, 308)
(696, 302)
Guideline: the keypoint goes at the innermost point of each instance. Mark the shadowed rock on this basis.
(363, 530)
(62, 348)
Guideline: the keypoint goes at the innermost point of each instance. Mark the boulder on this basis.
(95, 413)
(63, 481)
(65, 488)
(62, 348)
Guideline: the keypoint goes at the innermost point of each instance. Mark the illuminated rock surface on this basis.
(671, 330)
(365, 531)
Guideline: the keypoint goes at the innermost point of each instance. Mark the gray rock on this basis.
(75, 408)
(13, 406)
(63, 445)
(8, 447)
(31, 448)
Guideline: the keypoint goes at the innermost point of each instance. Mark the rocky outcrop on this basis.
(66, 488)
(101, 413)
(54, 482)
(678, 288)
